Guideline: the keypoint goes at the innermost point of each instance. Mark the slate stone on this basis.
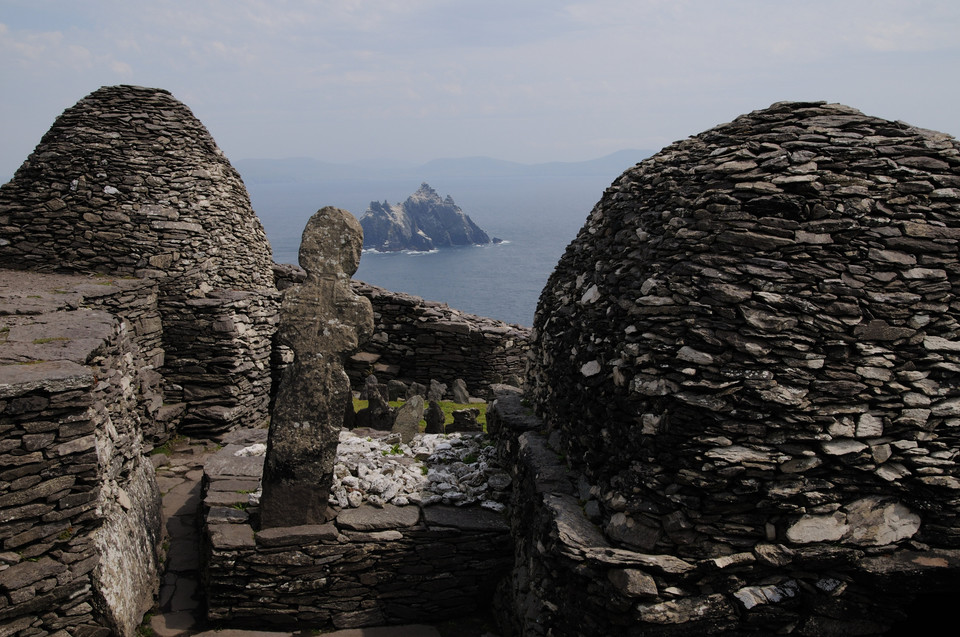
(231, 536)
(407, 421)
(464, 518)
(368, 518)
(297, 535)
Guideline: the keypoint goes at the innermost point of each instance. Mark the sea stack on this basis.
(423, 222)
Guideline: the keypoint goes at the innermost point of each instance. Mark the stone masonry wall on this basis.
(568, 578)
(417, 340)
(368, 567)
(128, 182)
(79, 504)
(221, 371)
(754, 341)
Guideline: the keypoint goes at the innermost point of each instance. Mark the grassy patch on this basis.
(145, 630)
(52, 339)
(447, 407)
(167, 447)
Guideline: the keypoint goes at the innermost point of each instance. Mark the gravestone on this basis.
(407, 422)
(460, 393)
(321, 320)
(465, 420)
(435, 418)
(436, 391)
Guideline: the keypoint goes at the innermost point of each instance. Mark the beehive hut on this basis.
(128, 182)
(751, 353)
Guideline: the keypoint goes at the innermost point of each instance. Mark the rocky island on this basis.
(423, 222)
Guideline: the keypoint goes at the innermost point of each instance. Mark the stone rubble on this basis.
(377, 468)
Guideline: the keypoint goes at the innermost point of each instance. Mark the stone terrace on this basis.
(79, 505)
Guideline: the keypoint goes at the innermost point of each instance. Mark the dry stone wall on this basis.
(370, 566)
(753, 340)
(79, 504)
(220, 373)
(418, 340)
(128, 182)
(570, 578)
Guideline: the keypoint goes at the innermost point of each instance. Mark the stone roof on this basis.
(755, 334)
(128, 181)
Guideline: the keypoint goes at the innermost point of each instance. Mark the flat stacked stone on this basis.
(129, 182)
(369, 566)
(754, 339)
(417, 341)
(79, 503)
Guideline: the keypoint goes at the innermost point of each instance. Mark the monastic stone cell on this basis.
(128, 181)
(754, 338)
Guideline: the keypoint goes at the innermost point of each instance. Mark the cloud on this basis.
(518, 80)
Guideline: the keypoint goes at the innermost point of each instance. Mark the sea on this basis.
(536, 217)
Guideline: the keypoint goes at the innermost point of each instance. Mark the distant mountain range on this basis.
(305, 169)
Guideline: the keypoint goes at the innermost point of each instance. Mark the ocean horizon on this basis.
(535, 217)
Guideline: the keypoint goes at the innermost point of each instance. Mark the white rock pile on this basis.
(454, 469)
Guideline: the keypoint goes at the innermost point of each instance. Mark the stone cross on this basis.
(321, 320)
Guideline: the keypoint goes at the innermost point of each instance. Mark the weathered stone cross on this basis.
(321, 321)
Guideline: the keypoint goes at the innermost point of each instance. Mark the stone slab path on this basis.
(180, 613)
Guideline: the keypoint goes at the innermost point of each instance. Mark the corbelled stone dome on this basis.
(754, 338)
(128, 181)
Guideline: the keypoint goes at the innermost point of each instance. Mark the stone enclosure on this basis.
(741, 412)
(128, 182)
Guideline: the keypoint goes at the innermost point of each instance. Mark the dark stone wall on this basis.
(368, 567)
(754, 338)
(79, 504)
(418, 340)
(128, 182)
(569, 578)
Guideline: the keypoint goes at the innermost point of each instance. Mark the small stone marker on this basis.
(435, 418)
(460, 393)
(321, 320)
(436, 391)
(407, 423)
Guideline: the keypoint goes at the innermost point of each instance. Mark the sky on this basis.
(521, 80)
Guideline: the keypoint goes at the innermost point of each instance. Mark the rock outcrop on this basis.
(750, 354)
(322, 320)
(421, 223)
